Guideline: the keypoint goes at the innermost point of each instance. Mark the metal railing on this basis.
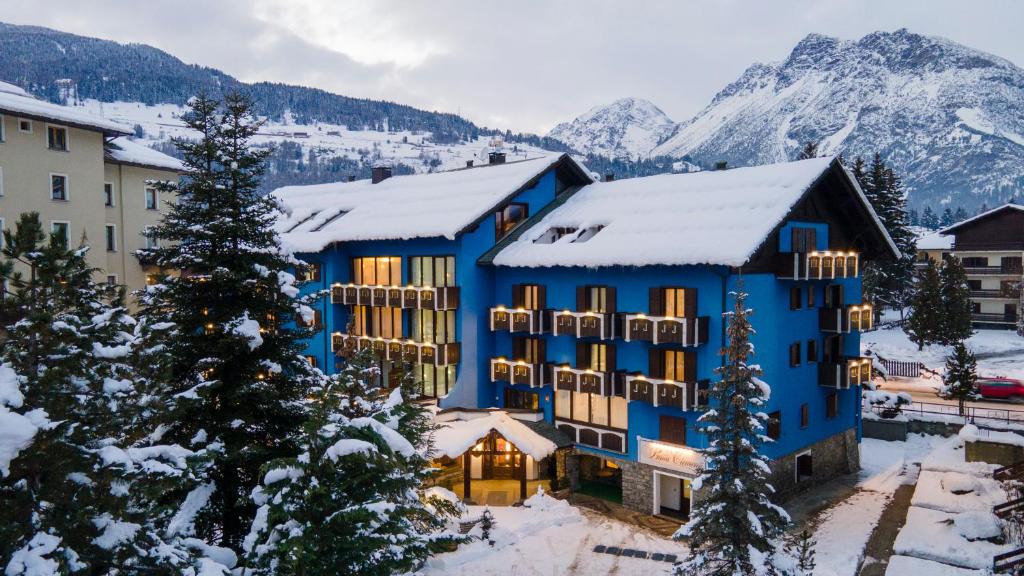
(992, 270)
(971, 413)
(997, 318)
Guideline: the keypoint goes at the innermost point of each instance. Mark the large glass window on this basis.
(383, 321)
(597, 299)
(432, 270)
(377, 271)
(436, 381)
(563, 404)
(675, 365)
(675, 302)
(433, 326)
(619, 413)
(592, 409)
(508, 218)
(599, 409)
(597, 357)
(581, 406)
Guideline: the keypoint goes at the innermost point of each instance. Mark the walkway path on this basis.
(880, 543)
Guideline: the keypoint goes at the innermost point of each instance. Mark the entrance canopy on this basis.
(461, 429)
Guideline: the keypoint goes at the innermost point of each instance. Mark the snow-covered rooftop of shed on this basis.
(933, 240)
(718, 217)
(460, 430)
(129, 152)
(14, 100)
(439, 204)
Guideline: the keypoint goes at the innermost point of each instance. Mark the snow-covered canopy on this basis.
(461, 430)
(125, 151)
(934, 241)
(17, 102)
(718, 217)
(440, 204)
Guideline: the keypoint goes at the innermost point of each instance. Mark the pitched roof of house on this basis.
(962, 223)
(440, 204)
(15, 101)
(719, 217)
(460, 429)
(124, 151)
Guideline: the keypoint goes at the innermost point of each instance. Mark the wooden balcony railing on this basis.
(665, 329)
(993, 271)
(844, 319)
(818, 265)
(602, 438)
(661, 392)
(994, 318)
(583, 324)
(519, 372)
(998, 294)
(853, 371)
(517, 320)
(566, 377)
(412, 297)
(398, 349)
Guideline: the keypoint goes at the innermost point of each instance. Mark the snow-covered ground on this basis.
(893, 344)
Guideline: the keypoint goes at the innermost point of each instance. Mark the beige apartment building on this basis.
(84, 177)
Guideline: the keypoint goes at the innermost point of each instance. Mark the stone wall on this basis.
(637, 486)
(993, 452)
(833, 456)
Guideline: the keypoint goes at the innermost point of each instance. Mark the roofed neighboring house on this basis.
(84, 178)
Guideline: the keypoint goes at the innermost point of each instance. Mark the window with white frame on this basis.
(152, 242)
(58, 187)
(108, 194)
(152, 202)
(111, 236)
(62, 232)
(57, 138)
(24, 125)
(111, 279)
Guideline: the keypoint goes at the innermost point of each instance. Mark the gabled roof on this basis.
(1004, 207)
(718, 218)
(460, 429)
(124, 151)
(16, 102)
(440, 204)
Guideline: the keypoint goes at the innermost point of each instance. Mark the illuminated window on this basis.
(675, 302)
(433, 326)
(382, 321)
(508, 218)
(377, 271)
(432, 270)
(581, 406)
(563, 404)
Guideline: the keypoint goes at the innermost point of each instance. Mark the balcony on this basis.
(398, 349)
(582, 324)
(602, 438)
(854, 370)
(818, 265)
(410, 297)
(517, 320)
(996, 318)
(566, 377)
(997, 294)
(845, 319)
(660, 392)
(993, 271)
(518, 372)
(665, 329)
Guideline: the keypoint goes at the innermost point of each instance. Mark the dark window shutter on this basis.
(796, 239)
(542, 350)
(609, 357)
(811, 239)
(690, 302)
(656, 363)
(517, 295)
(582, 355)
(656, 300)
(689, 366)
(518, 347)
(672, 429)
(581, 298)
(542, 299)
(610, 294)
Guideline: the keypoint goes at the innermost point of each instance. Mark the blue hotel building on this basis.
(592, 311)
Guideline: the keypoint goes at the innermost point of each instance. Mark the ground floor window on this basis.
(587, 408)
(436, 381)
(521, 400)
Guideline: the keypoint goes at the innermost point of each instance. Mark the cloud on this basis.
(523, 64)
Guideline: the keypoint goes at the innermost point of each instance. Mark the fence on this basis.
(972, 413)
(905, 369)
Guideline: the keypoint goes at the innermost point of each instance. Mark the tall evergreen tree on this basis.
(926, 321)
(914, 218)
(734, 522)
(956, 302)
(960, 381)
(235, 383)
(349, 502)
(810, 150)
(928, 219)
(947, 218)
(960, 215)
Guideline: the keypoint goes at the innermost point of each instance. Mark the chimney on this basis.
(469, 163)
(380, 174)
(496, 157)
(351, 177)
(721, 165)
(609, 177)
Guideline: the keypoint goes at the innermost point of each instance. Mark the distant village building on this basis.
(570, 329)
(991, 247)
(84, 177)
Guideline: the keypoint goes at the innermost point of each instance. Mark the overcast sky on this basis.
(520, 64)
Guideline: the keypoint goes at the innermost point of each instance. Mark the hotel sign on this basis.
(670, 456)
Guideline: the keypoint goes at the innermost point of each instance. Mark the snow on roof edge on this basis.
(871, 210)
(950, 228)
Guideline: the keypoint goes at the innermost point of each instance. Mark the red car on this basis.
(1002, 389)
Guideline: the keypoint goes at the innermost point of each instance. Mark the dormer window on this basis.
(589, 233)
(508, 218)
(555, 234)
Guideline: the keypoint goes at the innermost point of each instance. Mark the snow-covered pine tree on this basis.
(350, 502)
(810, 150)
(947, 218)
(487, 523)
(960, 381)
(956, 302)
(801, 548)
(67, 397)
(734, 523)
(235, 379)
(928, 219)
(926, 321)
(960, 215)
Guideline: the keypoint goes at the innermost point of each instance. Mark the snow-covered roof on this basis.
(934, 240)
(440, 204)
(718, 217)
(14, 100)
(1009, 206)
(460, 430)
(124, 151)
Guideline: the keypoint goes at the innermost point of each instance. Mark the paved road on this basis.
(919, 395)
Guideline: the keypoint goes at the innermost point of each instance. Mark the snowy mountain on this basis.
(625, 128)
(949, 118)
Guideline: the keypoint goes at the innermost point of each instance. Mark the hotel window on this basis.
(521, 399)
(794, 298)
(436, 381)
(316, 323)
(311, 360)
(593, 409)
(804, 240)
(309, 272)
(24, 125)
(672, 429)
(436, 326)
(435, 271)
(676, 302)
(599, 299)
(975, 261)
(775, 425)
(377, 270)
(111, 237)
(674, 365)
(108, 194)
(831, 405)
(58, 187)
(794, 354)
(805, 415)
(596, 357)
(61, 232)
(377, 321)
(57, 138)
(528, 296)
(508, 218)
(152, 199)
(529, 350)
(563, 404)
(810, 296)
(812, 351)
